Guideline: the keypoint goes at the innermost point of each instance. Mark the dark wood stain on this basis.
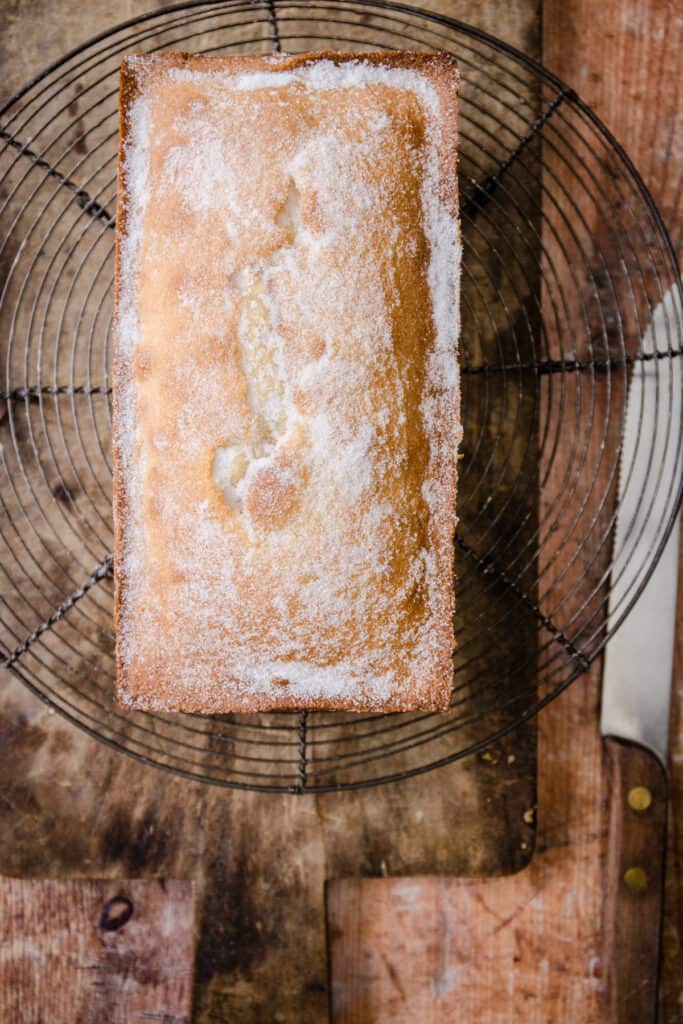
(142, 845)
(116, 913)
(61, 493)
(80, 144)
(230, 941)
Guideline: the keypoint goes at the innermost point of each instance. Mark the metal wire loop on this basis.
(565, 260)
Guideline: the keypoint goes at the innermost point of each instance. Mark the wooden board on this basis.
(528, 948)
(96, 952)
(541, 960)
(71, 807)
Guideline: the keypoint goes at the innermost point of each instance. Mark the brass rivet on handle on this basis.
(639, 798)
(635, 879)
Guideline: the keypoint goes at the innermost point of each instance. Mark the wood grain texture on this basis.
(517, 950)
(529, 948)
(526, 949)
(96, 952)
(624, 59)
(560, 897)
(634, 886)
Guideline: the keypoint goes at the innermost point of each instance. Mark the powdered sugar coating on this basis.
(286, 385)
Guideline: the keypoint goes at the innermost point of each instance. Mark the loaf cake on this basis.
(286, 390)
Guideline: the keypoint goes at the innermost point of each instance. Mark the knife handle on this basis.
(636, 850)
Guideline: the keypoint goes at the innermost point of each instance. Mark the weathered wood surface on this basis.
(518, 950)
(548, 972)
(625, 59)
(96, 952)
(70, 807)
(528, 948)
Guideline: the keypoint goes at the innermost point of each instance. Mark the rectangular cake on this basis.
(286, 390)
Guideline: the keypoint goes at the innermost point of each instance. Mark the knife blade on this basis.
(636, 692)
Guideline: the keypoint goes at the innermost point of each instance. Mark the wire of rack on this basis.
(564, 259)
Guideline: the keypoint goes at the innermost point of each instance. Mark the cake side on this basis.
(240, 593)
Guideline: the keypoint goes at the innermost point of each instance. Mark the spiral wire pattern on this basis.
(564, 259)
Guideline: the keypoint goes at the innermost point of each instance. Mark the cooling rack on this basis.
(565, 258)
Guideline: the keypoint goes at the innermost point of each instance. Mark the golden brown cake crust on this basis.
(170, 655)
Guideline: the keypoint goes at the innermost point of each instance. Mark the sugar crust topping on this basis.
(285, 528)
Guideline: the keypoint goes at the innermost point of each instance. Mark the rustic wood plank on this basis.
(138, 835)
(519, 950)
(528, 948)
(516, 950)
(625, 59)
(96, 952)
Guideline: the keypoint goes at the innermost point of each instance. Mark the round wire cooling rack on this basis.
(565, 259)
